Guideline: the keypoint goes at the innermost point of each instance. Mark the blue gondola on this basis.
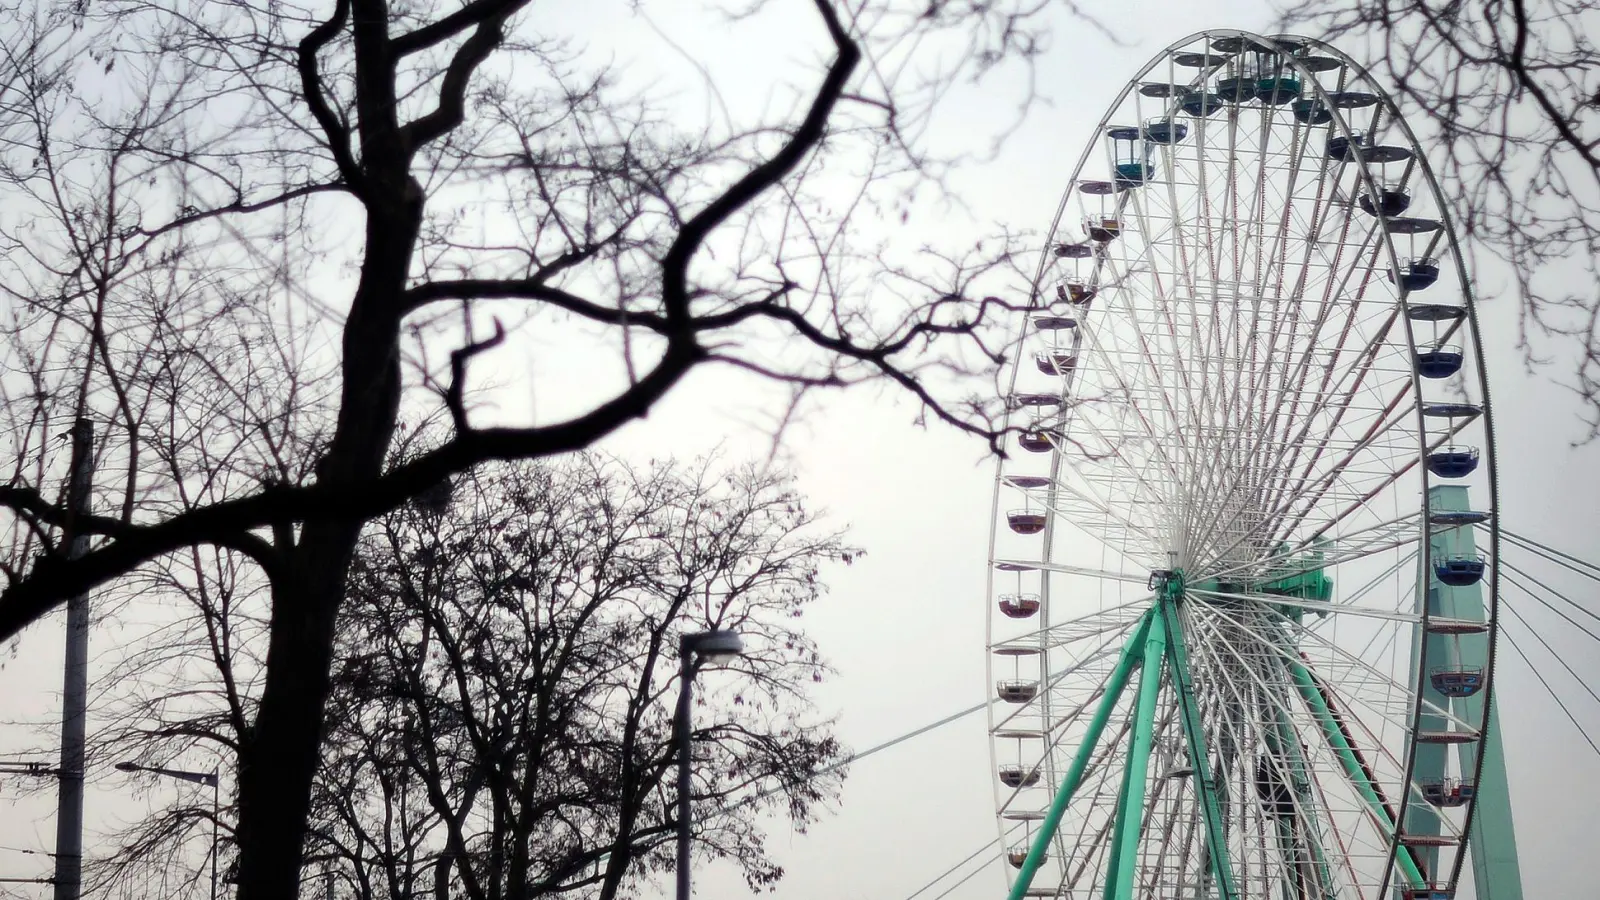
(1165, 131)
(1278, 91)
(1201, 104)
(1417, 274)
(1236, 90)
(1459, 571)
(1389, 202)
(1439, 362)
(1457, 682)
(1453, 462)
(1134, 174)
(1074, 251)
(1347, 149)
(1312, 111)
(1426, 893)
(1132, 162)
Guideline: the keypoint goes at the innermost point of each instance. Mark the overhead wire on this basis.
(952, 870)
(968, 877)
(855, 757)
(1568, 600)
(1567, 560)
(1551, 650)
(1546, 604)
(1553, 695)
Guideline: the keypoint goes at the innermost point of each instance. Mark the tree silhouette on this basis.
(500, 723)
(241, 238)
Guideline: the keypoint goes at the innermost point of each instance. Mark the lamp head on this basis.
(714, 646)
(128, 766)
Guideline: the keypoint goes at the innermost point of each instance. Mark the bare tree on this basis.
(502, 710)
(1504, 93)
(241, 237)
(500, 724)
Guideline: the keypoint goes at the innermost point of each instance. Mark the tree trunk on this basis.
(279, 760)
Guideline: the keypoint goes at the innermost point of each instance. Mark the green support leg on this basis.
(1119, 831)
(1493, 841)
(1131, 655)
(1132, 807)
(1199, 755)
(1352, 766)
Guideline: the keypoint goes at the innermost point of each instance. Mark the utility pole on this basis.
(75, 680)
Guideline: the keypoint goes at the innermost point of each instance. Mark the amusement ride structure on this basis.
(1244, 560)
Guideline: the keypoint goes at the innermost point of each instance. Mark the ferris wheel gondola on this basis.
(1243, 578)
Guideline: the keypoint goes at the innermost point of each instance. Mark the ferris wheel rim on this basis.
(1470, 325)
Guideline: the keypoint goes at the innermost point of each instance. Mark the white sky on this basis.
(905, 625)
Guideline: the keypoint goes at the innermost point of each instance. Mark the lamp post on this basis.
(706, 646)
(206, 778)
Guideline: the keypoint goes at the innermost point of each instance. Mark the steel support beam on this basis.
(1132, 653)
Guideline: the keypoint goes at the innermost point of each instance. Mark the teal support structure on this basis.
(1493, 840)
(1353, 770)
(1199, 755)
(1130, 815)
(1132, 654)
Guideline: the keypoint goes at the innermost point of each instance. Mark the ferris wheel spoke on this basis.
(1317, 696)
(1153, 363)
(1390, 699)
(1250, 734)
(1073, 501)
(1244, 393)
(1106, 649)
(1064, 569)
(1126, 397)
(1375, 678)
(1313, 554)
(1307, 499)
(1265, 686)
(1114, 620)
(1307, 605)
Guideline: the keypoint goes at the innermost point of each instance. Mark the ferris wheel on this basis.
(1243, 562)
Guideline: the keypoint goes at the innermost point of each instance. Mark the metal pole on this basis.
(686, 679)
(216, 811)
(75, 679)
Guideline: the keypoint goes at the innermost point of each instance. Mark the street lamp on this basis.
(704, 646)
(208, 779)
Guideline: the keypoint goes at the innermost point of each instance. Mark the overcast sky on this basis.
(905, 625)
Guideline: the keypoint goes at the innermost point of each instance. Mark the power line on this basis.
(1553, 695)
(952, 870)
(1551, 650)
(969, 876)
(1581, 566)
(1546, 604)
(829, 769)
